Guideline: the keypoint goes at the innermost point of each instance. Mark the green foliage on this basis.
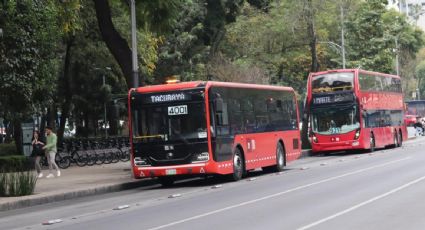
(157, 15)
(17, 183)
(69, 15)
(15, 163)
(8, 149)
(420, 75)
(261, 41)
(184, 52)
(373, 32)
(28, 60)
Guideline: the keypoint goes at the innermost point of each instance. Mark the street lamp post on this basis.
(342, 37)
(397, 64)
(134, 45)
(104, 104)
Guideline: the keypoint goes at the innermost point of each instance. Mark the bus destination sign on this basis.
(167, 97)
(332, 98)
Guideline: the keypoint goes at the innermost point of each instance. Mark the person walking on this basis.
(37, 151)
(50, 151)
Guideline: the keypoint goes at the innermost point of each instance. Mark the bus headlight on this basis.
(204, 156)
(141, 161)
(314, 138)
(357, 135)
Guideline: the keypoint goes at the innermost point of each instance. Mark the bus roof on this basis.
(352, 70)
(195, 84)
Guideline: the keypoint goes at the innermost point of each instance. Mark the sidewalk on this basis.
(78, 182)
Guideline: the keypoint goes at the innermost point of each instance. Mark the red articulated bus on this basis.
(355, 109)
(199, 128)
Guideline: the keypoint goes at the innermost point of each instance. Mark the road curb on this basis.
(33, 200)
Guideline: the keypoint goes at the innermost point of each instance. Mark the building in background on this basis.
(414, 9)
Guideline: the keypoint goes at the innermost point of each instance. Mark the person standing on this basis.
(50, 151)
(37, 151)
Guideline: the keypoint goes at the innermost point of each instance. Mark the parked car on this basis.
(410, 120)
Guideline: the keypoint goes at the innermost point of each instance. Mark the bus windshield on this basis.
(335, 120)
(169, 122)
(332, 82)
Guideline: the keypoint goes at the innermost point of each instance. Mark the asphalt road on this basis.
(383, 190)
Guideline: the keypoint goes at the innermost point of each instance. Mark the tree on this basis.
(28, 61)
(420, 75)
(69, 19)
(153, 15)
(368, 47)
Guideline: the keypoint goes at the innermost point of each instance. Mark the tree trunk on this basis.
(51, 117)
(113, 119)
(17, 135)
(9, 131)
(214, 25)
(311, 32)
(116, 44)
(66, 106)
(304, 128)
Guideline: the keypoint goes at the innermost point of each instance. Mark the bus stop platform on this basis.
(76, 182)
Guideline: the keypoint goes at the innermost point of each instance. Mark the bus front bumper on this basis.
(175, 170)
(337, 146)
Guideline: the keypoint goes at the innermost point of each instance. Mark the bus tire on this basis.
(238, 165)
(166, 181)
(372, 143)
(280, 160)
(400, 138)
(395, 145)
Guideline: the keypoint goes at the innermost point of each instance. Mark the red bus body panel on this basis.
(259, 148)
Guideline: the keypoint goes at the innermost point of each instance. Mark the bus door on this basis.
(222, 140)
(377, 121)
(389, 131)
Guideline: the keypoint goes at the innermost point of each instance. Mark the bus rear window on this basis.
(332, 82)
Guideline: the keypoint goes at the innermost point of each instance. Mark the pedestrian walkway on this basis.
(76, 182)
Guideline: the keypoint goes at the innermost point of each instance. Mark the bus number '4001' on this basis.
(177, 110)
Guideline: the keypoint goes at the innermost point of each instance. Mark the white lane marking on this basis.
(275, 195)
(362, 204)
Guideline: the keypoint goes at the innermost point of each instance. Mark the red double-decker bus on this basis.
(199, 128)
(355, 109)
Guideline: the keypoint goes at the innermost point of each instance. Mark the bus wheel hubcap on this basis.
(237, 163)
(280, 156)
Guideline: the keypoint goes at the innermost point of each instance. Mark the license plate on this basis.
(170, 172)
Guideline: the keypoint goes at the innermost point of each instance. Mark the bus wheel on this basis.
(400, 138)
(166, 181)
(238, 165)
(395, 139)
(280, 160)
(372, 143)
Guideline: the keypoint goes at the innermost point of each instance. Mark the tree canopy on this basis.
(55, 54)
